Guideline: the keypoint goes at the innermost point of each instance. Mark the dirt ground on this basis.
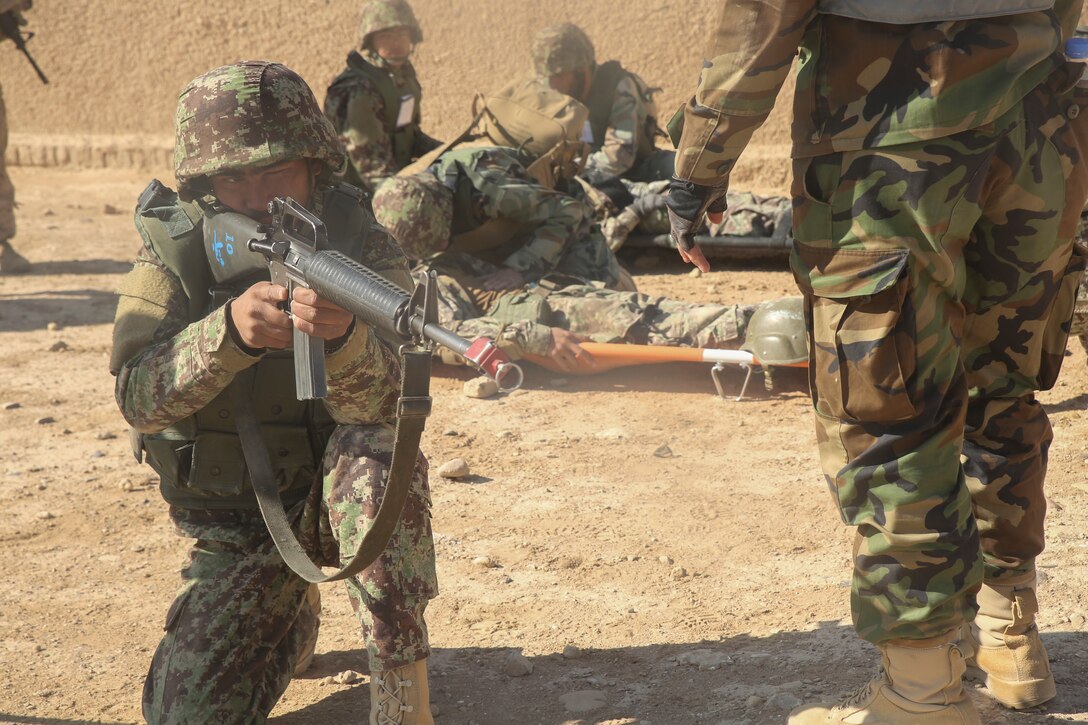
(705, 587)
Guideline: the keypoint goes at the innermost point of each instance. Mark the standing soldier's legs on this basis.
(234, 632)
(390, 597)
(11, 262)
(1021, 296)
(902, 255)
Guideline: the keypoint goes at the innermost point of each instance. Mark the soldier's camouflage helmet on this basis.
(386, 14)
(417, 210)
(776, 333)
(560, 48)
(248, 114)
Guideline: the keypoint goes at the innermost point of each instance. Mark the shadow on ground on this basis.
(26, 312)
(79, 266)
(737, 680)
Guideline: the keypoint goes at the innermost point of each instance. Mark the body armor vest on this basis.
(602, 95)
(403, 138)
(199, 459)
(898, 12)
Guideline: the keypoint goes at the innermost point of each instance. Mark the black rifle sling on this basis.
(413, 407)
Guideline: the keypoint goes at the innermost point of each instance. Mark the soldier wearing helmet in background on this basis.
(374, 102)
(247, 133)
(622, 114)
(550, 317)
(487, 205)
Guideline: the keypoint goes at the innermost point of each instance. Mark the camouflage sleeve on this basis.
(459, 313)
(617, 155)
(758, 40)
(364, 373)
(558, 220)
(516, 339)
(167, 370)
(368, 146)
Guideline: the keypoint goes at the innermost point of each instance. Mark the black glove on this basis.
(687, 203)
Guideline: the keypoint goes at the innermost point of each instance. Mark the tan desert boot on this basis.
(11, 262)
(921, 683)
(401, 696)
(1007, 645)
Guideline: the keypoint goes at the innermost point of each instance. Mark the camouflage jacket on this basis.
(490, 183)
(617, 152)
(171, 359)
(377, 144)
(904, 83)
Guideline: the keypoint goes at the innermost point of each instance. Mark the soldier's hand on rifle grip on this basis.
(687, 202)
(256, 317)
(319, 317)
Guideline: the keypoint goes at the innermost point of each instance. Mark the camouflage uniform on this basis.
(239, 623)
(375, 106)
(749, 215)
(502, 215)
(937, 183)
(10, 261)
(623, 115)
(520, 320)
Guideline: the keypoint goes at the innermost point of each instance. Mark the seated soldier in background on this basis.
(622, 113)
(548, 318)
(374, 102)
(492, 209)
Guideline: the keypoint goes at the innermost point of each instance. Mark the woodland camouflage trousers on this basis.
(240, 621)
(939, 279)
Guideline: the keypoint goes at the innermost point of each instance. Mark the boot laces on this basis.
(859, 696)
(392, 697)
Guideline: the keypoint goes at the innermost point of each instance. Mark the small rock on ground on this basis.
(481, 387)
(517, 665)
(454, 468)
(583, 700)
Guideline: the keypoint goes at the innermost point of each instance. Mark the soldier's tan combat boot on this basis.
(920, 683)
(11, 262)
(1007, 646)
(401, 696)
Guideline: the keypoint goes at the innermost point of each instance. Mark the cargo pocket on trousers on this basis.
(863, 357)
(1056, 334)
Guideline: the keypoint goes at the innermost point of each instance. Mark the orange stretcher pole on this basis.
(609, 355)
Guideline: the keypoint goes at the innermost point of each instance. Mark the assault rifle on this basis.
(9, 26)
(295, 249)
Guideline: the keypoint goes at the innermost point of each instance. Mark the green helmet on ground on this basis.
(417, 210)
(385, 15)
(776, 332)
(245, 115)
(561, 48)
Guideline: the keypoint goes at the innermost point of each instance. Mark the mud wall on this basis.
(116, 66)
